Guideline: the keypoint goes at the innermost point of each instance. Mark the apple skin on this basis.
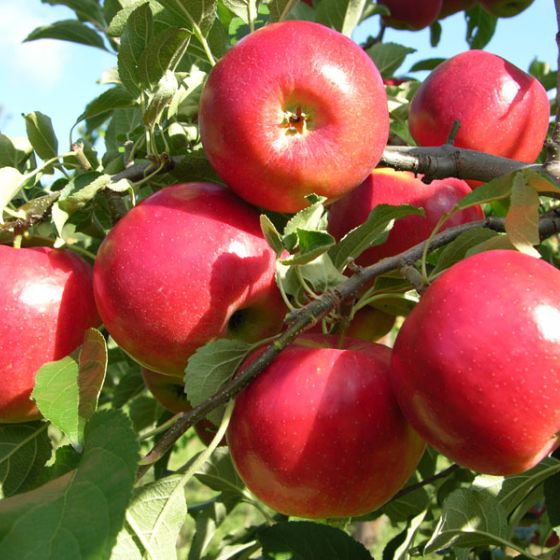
(170, 393)
(411, 14)
(505, 8)
(271, 159)
(185, 266)
(319, 434)
(450, 7)
(386, 186)
(476, 365)
(46, 306)
(502, 110)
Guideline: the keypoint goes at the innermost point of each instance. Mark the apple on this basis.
(450, 7)
(501, 109)
(411, 14)
(476, 365)
(315, 121)
(46, 304)
(386, 186)
(185, 266)
(319, 434)
(505, 8)
(169, 391)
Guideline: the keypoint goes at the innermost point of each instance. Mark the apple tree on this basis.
(283, 295)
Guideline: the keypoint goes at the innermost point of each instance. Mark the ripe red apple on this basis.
(169, 391)
(501, 109)
(46, 304)
(476, 365)
(386, 186)
(411, 14)
(319, 434)
(505, 8)
(295, 108)
(185, 266)
(450, 7)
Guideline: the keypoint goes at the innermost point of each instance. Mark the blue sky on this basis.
(59, 78)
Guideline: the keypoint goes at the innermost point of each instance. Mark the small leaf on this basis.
(310, 244)
(85, 10)
(372, 232)
(161, 98)
(79, 514)
(11, 182)
(66, 391)
(219, 474)
(408, 506)
(41, 134)
(552, 498)
(114, 98)
(305, 540)
(278, 9)
(480, 27)
(24, 450)
(388, 57)
(68, 30)
(342, 15)
(81, 190)
(314, 217)
(153, 521)
(426, 64)
(493, 190)
(522, 219)
(199, 12)
(271, 234)
(247, 9)
(435, 33)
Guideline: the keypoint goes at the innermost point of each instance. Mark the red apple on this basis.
(169, 391)
(411, 14)
(501, 109)
(185, 266)
(46, 304)
(295, 108)
(505, 8)
(319, 434)
(386, 186)
(450, 7)
(476, 365)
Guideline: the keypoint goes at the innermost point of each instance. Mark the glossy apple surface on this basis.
(185, 266)
(501, 109)
(315, 120)
(449, 7)
(505, 8)
(476, 365)
(386, 186)
(46, 305)
(319, 434)
(411, 14)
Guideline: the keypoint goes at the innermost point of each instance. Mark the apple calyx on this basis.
(295, 121)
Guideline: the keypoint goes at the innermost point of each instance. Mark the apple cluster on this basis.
(333, 428)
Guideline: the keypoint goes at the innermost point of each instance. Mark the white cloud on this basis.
(37, 64)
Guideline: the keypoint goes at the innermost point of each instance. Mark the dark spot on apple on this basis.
(238, 320)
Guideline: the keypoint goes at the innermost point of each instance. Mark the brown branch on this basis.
(552, 164)
(306, 317)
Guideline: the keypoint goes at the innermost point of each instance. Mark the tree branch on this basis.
(304, 318)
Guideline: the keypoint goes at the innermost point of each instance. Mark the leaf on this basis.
(247, 9)
(41, 134)
(271, 234)
(305, 540)
(24, 450)
(342, 15)
(469, 518)
(82, 189)
(66, 459)
(68, 30)
(388, 57)
(220, 475)
(79, 514)
(66, 391)
(85, 10)
(111, 99)
(480, 27)
(435, 33)
(426, 64)
(310, 244)
(201, 13)
(212, 365)
(8, 153)
(161, 98)
(408, 506)
(522, 219)
(493, 190)
(552, 498)
(398, 548)
(11, 182)
(372, 232)
(313, 217)
(153, 521)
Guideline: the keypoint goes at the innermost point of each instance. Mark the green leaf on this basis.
(271, 234)
(480, 27)
(342, 15)
(82, 189)
(41, 134)
(79, 514)
(85, 10)
(388, 57)
(11, 182)
(201, 13)
(247, 9)
(153, 521)
(408, 506)
(66, 459)
(211, 366)
(114, 98)
(310, 244)
(136, 35)
(470, 518)
(494, 190)
(161, 98)
(8, 153)
(24, 450)
(435, 33)
(522, 219)
(66, 391)
(278, 9)
(372, 232)
(68, 30)
(552, 498)
(426, 64)
(219, 474)
(305, 540)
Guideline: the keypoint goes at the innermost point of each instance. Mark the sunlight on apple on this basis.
(337, 76)
(548, 322)
(41, 295)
